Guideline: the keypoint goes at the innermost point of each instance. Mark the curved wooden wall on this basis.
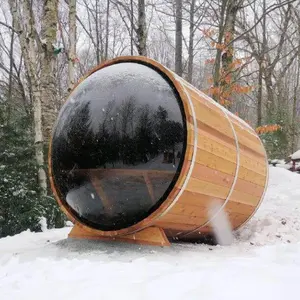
(229, 170)
(225, 169)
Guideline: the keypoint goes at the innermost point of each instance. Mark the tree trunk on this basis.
(191, 42)
(217, 65)
(131, 27)
(107, 30)
(48, 63)
(98, 53)
(270, 95)
(27, 44)
(259, 95)
(227, 55)
(261, 68)
(294, 113)
(10, 83)
(141, 31)
(178, 38)
(72, 44)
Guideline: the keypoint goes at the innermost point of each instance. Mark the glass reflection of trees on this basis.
(127, 135)
(124, 117)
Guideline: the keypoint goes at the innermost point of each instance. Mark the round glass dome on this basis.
(118, 145)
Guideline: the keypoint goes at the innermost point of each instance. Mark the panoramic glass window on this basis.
(118, 145)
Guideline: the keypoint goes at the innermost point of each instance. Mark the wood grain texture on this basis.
(222, 143)
(225, 163)
(153, 236)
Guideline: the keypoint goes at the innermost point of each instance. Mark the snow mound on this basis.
(277, 220)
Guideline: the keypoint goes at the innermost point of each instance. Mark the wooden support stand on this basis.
(153, 236)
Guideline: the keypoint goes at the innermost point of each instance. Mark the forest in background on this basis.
(245, 54)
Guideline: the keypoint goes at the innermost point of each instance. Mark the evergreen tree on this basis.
(21, 206)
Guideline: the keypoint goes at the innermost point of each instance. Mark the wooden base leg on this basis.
(153, 236)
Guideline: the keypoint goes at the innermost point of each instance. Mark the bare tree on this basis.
(141, 30)
(72, 44)
(11, 61)
(107, 30)
(269, 54)
(39, 59)
(191, 41)
(178, 38)
(261, 34)
(296, 90)
(26, 37)
(48, 66)
(226, 11)
(135, 25)
(197, 13)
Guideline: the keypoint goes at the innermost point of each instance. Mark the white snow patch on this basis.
(278, 218)
(69, 224)
(278, 161)
(43, 224)
(286, 166)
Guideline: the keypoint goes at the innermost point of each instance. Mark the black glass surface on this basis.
(118, 145)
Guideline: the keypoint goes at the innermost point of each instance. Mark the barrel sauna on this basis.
(138, 154)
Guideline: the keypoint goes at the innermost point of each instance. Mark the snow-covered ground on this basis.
(262, 263)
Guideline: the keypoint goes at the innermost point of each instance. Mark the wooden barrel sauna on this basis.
(138, 154)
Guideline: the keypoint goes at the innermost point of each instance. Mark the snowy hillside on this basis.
(262, 263)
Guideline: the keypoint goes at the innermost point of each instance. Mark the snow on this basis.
(284, 166)
(69, 224)
(263, 262)
(43, 224)
(278, 161)
(277, 220)
(296, 155)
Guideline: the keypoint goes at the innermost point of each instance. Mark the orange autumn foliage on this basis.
(267, 128)
(227, 90)
(208, 32)
(226, 87)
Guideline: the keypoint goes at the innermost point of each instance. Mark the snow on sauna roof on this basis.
(296, 155)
